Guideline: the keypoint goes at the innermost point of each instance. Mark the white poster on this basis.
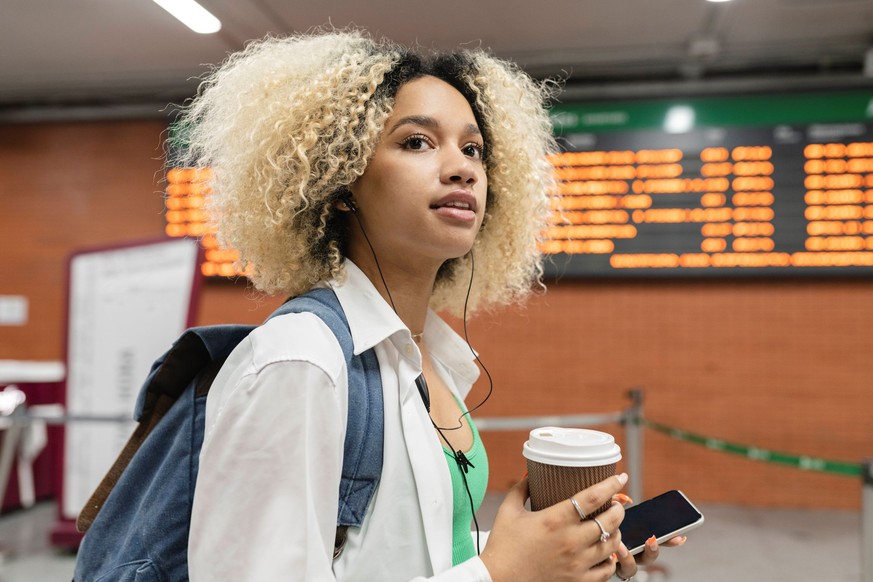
(126, 307)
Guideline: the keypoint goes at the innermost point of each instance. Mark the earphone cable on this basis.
(376, 259)
(469, 345)
(462, 461)
(466, 335)
(475, 355)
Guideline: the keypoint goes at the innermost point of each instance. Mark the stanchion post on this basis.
(867, 521)
(14, 403)
(633, 433)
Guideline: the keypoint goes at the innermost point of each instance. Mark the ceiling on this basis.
(110, 53)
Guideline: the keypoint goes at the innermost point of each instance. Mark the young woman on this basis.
(407, 184)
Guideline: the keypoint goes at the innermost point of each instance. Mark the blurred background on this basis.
(712, 250)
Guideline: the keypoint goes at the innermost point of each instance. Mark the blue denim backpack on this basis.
(137, 521)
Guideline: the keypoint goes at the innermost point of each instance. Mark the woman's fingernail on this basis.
(681, 540)
(622, 550)
(524, 476)
(652, 543)
(622, 498)
(622, 479)
(614, 557)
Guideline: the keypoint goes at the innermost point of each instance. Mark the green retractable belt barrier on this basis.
(803, 462)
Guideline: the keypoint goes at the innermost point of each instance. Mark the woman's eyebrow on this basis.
(472, 129)
(430, 123)
(420, 120)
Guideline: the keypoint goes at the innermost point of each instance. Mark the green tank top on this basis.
(463, 544)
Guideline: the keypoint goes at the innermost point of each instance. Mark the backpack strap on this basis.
(362, 452)
(199, 350)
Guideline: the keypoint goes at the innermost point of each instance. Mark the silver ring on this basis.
(582, 516)
(604, 535)
(625, 579)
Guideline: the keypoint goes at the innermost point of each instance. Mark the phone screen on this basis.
(666, 514)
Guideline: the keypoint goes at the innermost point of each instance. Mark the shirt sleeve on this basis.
(261, 508)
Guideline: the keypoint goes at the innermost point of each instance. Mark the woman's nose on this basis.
(460, 169)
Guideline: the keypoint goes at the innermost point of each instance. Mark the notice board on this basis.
(126, 305)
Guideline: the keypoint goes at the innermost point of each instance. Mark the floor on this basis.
(735, 544)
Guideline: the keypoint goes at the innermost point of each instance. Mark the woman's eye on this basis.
(474, 150)
(416, 142)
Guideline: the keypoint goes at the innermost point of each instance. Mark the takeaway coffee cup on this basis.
(563, 461)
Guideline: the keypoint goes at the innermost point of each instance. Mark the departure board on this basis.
(776, 184)
(185, 201)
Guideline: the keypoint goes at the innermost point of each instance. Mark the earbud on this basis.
(349, 200)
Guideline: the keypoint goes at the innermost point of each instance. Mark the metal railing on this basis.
(15, 416)
(634, 422)
(629, 418)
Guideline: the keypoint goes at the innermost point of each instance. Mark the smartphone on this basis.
(665, 516)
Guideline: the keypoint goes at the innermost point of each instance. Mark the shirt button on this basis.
(408, 349)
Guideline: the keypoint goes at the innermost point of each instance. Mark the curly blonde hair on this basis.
(287, 124)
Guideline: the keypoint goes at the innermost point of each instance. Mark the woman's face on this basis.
(422, 197)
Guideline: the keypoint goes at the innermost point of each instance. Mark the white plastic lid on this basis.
(571, 447)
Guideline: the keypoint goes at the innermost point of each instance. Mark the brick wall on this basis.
(65, 187)
(779, 364)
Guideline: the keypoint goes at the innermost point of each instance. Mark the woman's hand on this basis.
(553, 544)
(626, 567)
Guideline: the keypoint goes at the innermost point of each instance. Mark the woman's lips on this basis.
(459, 205)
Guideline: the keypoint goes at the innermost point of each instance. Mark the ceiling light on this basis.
(679, 119)
(192, 15)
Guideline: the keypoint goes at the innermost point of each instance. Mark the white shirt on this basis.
(265, 503)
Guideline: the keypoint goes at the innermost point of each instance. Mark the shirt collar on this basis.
(450, 349)
(371, 321)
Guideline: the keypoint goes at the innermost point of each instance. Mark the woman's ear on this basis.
(345, 201)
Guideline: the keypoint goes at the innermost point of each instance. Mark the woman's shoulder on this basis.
(276, 370)
(295, 337)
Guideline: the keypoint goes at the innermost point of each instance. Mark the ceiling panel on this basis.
(101, 51)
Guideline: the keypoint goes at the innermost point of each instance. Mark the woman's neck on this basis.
(406, 288)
